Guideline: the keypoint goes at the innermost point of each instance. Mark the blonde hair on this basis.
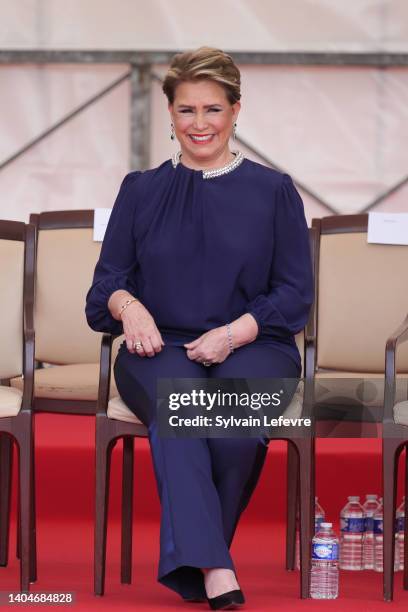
(205, 63)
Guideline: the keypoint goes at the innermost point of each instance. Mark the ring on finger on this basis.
(138, 345)
(206, 363)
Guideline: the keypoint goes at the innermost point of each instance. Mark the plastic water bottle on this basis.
(324, 574)
(352, 530)
(319, 518)
(370, 506)
(378, 539)
(399, 550)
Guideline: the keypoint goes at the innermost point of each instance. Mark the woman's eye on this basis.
(210, 110)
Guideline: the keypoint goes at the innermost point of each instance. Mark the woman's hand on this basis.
(138, 324)
(213, 346)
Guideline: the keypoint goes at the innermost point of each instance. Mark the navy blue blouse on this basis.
(199, 253)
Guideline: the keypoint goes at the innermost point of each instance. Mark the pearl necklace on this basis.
(207, 174)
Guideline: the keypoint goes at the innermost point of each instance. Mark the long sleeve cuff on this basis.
(97, 312)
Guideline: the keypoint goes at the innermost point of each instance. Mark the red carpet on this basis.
(65, 469)
(65, 563)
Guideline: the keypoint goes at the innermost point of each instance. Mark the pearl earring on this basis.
(172, 133)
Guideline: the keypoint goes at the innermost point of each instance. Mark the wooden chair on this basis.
(17, 259)
(360, 299)
(66, 259)
(395, 439)
(114, 421)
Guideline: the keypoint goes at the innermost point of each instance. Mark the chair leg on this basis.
(306, 449)
(25, 454)
(127, 511)
(33, 521)
(33, 524)
(104, 448)
(405, 579)
(292, 505)
(6, 470)
(391, 451)
(18, 534)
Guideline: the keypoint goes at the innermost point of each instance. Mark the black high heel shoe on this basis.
(227, 601)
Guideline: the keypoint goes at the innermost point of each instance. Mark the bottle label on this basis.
(329, 552)
(369, 523)
(378, 525)
(400, 523)
(353, 525)
(318, 521)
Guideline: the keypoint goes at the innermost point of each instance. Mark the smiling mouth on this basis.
(201, 139)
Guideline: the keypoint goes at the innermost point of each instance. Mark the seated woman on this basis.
(205, 267)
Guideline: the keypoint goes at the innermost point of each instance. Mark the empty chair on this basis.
(17, 256)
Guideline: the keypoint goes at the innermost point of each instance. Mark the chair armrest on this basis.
(28, 369)
(309, 377)
(310, 355)
(28, 318)
(310, 330)
(399, 336)
(104, 372)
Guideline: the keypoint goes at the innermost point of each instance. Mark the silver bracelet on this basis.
(229, 335)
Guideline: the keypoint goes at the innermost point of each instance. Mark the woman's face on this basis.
(203, 119)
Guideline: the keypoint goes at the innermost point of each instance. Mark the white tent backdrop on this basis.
(81, 164)
(240, 25)
(339, 130)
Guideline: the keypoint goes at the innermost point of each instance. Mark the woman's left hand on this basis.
(211, 347)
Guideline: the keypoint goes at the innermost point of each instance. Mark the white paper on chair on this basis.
(387, 228)
(101, 218)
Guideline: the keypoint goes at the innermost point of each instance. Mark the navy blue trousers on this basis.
(204, 484)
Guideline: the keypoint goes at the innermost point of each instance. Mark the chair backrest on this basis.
(66, 259)
(362, 296)
(14, 292)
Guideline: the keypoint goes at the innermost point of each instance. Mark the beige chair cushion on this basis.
(11, 292)
(118, 410)
(66, 260)
(401, 413)
(363, 388)
(363, 292)
(71, 382)
(294, 410)
(10, 401)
